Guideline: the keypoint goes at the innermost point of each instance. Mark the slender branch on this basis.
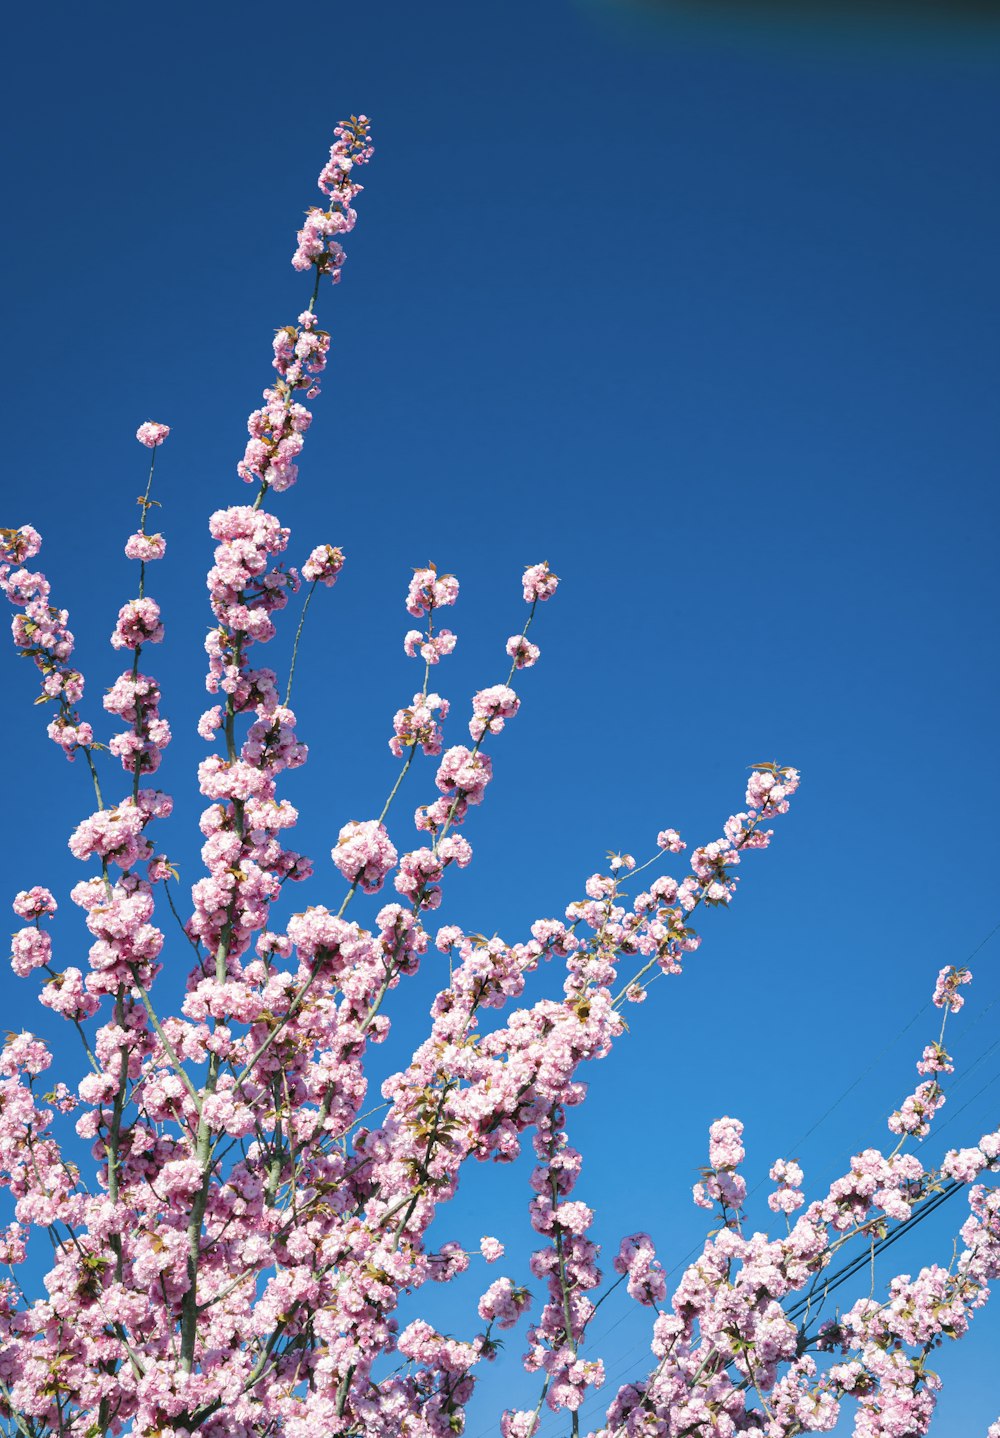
(298, 636)
(88, 755)
(168, 1047)
(173, 909)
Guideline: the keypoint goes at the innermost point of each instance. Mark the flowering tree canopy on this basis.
(234, 1261)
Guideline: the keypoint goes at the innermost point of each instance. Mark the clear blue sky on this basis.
(706, 316)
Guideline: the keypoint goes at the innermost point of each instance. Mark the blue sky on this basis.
(703, 314)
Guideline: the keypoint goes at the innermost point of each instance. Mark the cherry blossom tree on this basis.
(234, 1261)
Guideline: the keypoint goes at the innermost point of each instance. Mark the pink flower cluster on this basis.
(917, 1110)
(318, 246)
(300, 354)
(734, 1319)
(41, 634)
(431, 647)
(722, 1184)
(277, 429)
(539, 582)
(637, 1258)
(30, 948)
(462, 778)
(135, 698)
(429, 591)
(364, 854)
(244, 824)
(568, 1264)
(152, 434)
(138, 623)
(116, 835)
(770, 789)
(419, 724)
(277, 436)
(522, 652)
(145, 547)
(421, 870)
(788, 1196)
(323, 565)
(503, 1304)
(491, 708)
(946, 990)
(244, 593)
(126, 943)
(34, 903)
(308, 1004)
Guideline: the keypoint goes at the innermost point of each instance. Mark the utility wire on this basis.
(863, 1260)
(969, 1101)
(802, 1306)
(882, 1053)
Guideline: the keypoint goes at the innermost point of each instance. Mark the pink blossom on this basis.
(364, 854)
(521, 1423)
(419, 725)
(503, 1304)
(114, 834)
(788, 1196)
(916, 1112)
(34, 903)
(431, 648)
(964, 1164)
(17, 545)
(935, 1060)
(152, 434)
(138, 623)
(491, 708)
(429, 590)
(725, 1148)
(769, 789)
(946, 995)
(30, 949)
(146, 547)
(646, 1280)
(539, 582)
(523, 653)
(464, 774)
(323, 565)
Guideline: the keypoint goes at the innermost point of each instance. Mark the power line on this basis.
(802, 1305)
(882, 1052)
(862, 1260)
(969, 1101)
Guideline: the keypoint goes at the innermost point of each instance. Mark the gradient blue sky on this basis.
(705, 315)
